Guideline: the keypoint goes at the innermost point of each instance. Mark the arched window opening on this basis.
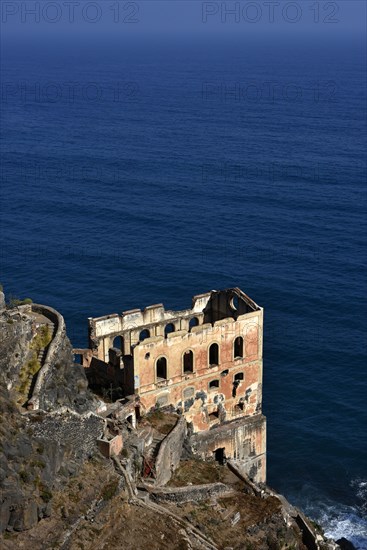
(240, 407)
(168, 329)
(238, 347)
(214, 416)
(214, 384)
(144, 335)
(239, 376)
(188, 361)
(193, 323)
(214, 355)
(162, 368)
(119, 343)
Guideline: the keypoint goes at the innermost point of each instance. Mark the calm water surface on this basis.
(138, 173)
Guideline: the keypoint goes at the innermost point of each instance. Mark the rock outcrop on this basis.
(39, 450)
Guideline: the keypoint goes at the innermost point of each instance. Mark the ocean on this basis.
(143, 171)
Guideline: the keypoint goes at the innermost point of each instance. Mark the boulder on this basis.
(345, 544)
(24, 517)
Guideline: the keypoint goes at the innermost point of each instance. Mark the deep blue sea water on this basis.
(135, 172)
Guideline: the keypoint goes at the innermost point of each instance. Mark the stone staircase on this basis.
(41, 357)
(151, 456)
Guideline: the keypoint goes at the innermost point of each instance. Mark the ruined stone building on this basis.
(205, 362)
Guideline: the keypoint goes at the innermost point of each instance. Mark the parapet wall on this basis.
(207, 309)
(139, 319)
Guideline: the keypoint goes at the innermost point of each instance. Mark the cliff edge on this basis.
(65, 486)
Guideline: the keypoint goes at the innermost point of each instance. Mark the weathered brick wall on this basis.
(205, 400)
(111, 447)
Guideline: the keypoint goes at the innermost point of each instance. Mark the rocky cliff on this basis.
(58, 491)
(39, 450)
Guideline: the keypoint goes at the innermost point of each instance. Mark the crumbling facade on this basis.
(205, 362)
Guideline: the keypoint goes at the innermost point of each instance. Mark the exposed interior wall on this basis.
(227, 303)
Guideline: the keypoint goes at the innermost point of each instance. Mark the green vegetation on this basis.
(110, 489)
(40, 449)
(38, 464)
(37, 481)
(14, 302)
(32, 366)
(28, 370)
(42, 338)
(45, 493)
(24, 476)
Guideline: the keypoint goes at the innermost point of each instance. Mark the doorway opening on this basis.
(220, 455)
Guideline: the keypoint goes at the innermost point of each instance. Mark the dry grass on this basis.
(32, 366)
(197, 472)
(215, 520)
(163, 422)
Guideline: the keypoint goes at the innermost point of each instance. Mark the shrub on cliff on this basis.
(14, 302)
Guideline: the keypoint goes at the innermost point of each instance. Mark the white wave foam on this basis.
(360, 485)
(338, 520)
(338, 523)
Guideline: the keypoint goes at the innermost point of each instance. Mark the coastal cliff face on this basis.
(58, 491)
(38, 451)
(26, 336)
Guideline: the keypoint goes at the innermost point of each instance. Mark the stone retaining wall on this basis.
(189, 493)
(51, 354)
(170, 451)
(73, 433)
